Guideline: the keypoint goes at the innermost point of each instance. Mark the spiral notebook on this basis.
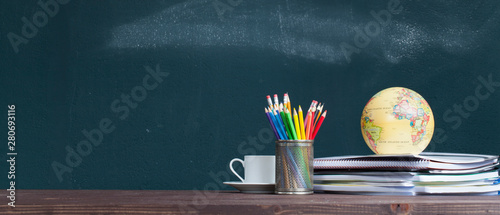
(416, 190)
(423, 161)
(409, 177)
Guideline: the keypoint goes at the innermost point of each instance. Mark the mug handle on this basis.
(232, 170)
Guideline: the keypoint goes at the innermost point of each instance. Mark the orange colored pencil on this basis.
(320, 108)
(319, 125)
(307, 116)
(289, 102)
(286, 102)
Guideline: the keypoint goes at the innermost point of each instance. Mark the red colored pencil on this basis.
(319, 125)
(311, 126)
(318, 114)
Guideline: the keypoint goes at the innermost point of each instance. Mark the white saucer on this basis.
(252, 187)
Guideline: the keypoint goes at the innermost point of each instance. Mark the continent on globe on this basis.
(372, 132)
(397, 120)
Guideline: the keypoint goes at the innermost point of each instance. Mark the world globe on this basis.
(397, 120)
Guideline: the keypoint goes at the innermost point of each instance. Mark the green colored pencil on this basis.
(285, 121)
(290, 123)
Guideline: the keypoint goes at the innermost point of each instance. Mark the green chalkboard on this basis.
(163, 94)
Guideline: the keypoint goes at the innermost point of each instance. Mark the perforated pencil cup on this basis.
(294, 167)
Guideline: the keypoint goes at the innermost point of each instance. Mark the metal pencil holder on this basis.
(294, 167)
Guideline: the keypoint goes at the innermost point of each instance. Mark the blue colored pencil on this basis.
(275, 123)
(294, 167)
(277, 127)
(280, 123)
(272, 124)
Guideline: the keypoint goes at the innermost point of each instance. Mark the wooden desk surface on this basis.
(226, 202)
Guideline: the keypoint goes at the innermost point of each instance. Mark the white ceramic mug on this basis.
(258, 168)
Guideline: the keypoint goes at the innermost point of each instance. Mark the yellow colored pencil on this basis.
(301, 121)
(297, 125)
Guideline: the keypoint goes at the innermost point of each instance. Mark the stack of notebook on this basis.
(424, 174)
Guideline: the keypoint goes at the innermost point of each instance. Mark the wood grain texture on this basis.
(224, 202)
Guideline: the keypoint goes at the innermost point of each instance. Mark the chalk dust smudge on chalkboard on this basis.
(294, 29)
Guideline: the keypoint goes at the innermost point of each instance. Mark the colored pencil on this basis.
(281, 127)
(286, 101)
(319, 124)
(276, 125)
(299, 178)
(297, 124)
(269, 102)
(278, 117)
(289, 105)
(307, 116)
(272, 124)
(285, 170)
(318, 113)
(290, 123)
(277, 107)
(308, 130)
(285, 122)
(301, 122)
